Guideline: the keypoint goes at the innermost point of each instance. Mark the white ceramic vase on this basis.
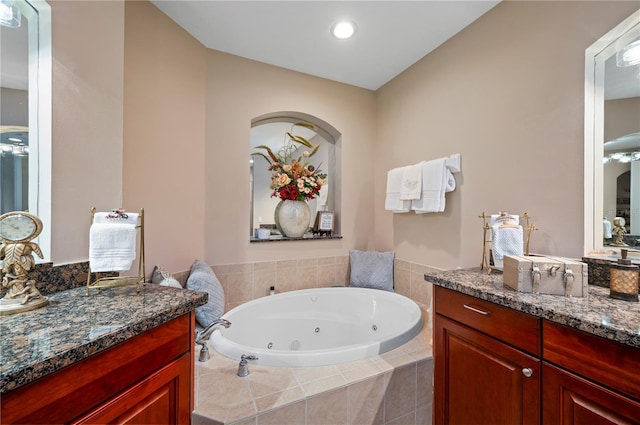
(292, 218)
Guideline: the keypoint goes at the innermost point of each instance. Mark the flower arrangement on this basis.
(294, 177)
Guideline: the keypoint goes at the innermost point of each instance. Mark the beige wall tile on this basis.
(408, 419)
(265, 380)
(326, 260)
(279, 399)
(401, 393)
(424, 383)
(366, 401)
(313, 388)
(420, 289)
(402, 265)
(264, 265)
(402, 282)
(327, 275)
(238, 287)
(310, 374)
(262, 281)
(328, 408)
(307, 277)
(294, 413)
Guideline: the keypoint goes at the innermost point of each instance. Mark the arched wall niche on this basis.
(331, 157)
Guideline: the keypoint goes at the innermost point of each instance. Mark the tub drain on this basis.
(270, 345)
(374, 328)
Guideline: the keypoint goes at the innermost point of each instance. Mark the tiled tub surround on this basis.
(597, 314)
(73, 327)
(391, 389)
(248, 281)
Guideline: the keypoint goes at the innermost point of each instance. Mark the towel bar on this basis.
(113, 282)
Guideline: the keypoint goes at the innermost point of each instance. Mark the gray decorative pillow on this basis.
(371, 269)
(163, 278)
(202, 278)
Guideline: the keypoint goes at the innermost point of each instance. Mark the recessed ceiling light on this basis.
(343, 29)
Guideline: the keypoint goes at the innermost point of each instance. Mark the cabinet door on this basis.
(480, 380)
(568, 399)
(162, 398)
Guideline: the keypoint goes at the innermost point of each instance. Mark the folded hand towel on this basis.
(437, 179)
(103, 217)
(506, 240)
(393, 201)
(497, 219)
(411, 185)
(111, 246)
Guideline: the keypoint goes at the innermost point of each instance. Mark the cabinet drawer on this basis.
(607, 362)
(513, 327)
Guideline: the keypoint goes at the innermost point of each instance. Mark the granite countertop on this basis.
(73, 327)
(597, 314)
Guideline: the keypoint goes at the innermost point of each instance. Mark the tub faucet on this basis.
(243, 368)
(203, 335)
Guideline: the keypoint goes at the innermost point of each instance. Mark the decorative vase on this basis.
(292, 218)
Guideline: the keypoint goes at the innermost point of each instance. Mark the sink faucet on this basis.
(203, 335)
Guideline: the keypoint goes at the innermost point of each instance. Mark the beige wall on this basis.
(508, 94)
(87, 96)
(164, 135)
(240, 90)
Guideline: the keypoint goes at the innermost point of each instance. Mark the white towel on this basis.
(437, 179)
(411, 185)
(606, 229)
(506, 240)
(103, 217)
(112, 246)
(514, 218)
(392, 201)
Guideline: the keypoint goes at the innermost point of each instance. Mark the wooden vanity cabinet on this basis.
(588, 379)
(487, 366)
(146, 379)
(495, 365)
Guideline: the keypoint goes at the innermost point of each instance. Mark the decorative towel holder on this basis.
(112, 282)
(487, 257)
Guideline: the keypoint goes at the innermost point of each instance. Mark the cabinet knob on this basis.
(528, 372)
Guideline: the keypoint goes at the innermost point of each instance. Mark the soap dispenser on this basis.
(625, 278)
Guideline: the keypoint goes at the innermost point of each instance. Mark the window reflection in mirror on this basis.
(272, 133)
(25, 111)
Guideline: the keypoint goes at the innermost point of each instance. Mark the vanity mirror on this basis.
(25, 119)
(610, 82)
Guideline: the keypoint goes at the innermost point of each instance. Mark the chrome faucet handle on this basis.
(204, 353)
(243, 368)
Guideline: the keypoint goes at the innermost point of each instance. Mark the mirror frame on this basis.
(595, 58)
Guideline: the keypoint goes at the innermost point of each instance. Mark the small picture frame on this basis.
(323, 224)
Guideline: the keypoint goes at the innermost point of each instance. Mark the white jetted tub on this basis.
(318, 327)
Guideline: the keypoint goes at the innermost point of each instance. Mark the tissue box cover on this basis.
(546, 275)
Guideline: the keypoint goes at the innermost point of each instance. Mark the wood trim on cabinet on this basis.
(511, 326)
(570, 399)
(607, 362)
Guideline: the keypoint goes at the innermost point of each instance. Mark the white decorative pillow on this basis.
(164, 278)
(371, 269)
(202, 278)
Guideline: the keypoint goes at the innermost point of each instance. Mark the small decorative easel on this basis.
(487, 255)
(112, 282)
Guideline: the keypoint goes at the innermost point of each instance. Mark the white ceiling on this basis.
(390, 36)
